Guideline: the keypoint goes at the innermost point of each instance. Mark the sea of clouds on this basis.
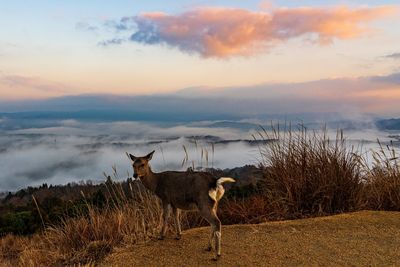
(73, 151)
(80, 151)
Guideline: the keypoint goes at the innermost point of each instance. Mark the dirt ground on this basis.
(366, 238)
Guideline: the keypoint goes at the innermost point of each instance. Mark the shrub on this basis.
(308, 174)
(382, 181)
(17, 223)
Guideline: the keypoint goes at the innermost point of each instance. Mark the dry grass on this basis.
(11, 247)
(89, 237)
(253, 209)
(309, 174)
(382, 181)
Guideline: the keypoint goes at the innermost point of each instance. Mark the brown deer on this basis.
(186, 191)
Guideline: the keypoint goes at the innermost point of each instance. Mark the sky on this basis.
(82, 82)
(60, 48)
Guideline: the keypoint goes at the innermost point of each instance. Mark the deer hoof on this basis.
(208, 249)
(178, 237)
(216, 258)
(161, 237)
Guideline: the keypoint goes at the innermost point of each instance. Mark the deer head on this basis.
(141, 167)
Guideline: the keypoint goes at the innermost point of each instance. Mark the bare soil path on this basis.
(367, 238)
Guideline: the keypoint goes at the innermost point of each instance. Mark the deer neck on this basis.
(150, 180)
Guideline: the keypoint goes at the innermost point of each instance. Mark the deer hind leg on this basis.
(209, 246)
(176, 212)
(165, 215)
(210, 214)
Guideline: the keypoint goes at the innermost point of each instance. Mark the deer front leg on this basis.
(165, 215)
(176, 212)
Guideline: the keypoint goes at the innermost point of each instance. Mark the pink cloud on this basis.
(16, 81)
(20, 87)
(222, 32)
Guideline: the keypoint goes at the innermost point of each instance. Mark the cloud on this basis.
(393, 56)
(17, 80)
(391, 79)
(371, 94)
(18, 85)
(126, 23)
(85, 26)
(225, 32)
(115, 41)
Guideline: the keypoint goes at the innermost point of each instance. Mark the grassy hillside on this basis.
(366, 238)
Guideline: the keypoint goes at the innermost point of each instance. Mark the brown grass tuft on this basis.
(382, 181)
(89, 237)
(11, 247)
(308, 174)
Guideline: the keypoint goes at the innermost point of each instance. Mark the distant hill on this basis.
(234, 125)
(388, 124)
(164, 108)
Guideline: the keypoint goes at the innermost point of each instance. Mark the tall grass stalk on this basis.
(382, 180)
(308, 173)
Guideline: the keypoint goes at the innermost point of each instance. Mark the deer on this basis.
(184, 190)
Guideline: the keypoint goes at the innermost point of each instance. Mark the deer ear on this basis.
(132, 157)
(150, 155)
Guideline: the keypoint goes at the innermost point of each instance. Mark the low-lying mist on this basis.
(83, 151)
(71, 151)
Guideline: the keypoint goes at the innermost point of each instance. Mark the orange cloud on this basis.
(222, 32)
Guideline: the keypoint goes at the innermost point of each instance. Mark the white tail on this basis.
(217, 193)
(222, 180)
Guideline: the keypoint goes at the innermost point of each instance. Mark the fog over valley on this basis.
(37, 151)
(81, 150)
